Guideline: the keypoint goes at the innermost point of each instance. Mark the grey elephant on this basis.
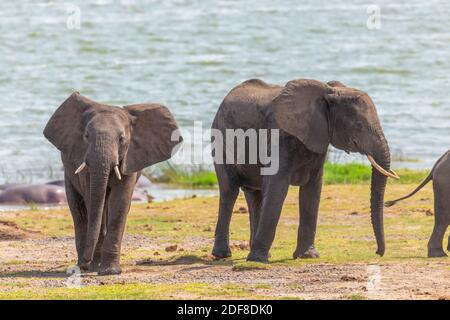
(103, 148)
(310, 115)
(440, 174)
(32, 193)
(139, 195)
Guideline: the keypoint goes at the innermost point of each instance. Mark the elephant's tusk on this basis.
(390, 173)
(80, 168)
(116, 170)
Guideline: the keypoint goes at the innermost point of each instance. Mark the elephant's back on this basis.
(441, 170)
(245, 105)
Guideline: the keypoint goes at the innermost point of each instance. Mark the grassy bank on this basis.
(166, 253)
(354, 173)
(196, 177)
(334, 173)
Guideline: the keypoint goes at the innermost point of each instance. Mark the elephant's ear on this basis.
(65, 129)
(154, 136)
(301, 111)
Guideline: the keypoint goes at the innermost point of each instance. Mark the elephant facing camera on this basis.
(103, 150)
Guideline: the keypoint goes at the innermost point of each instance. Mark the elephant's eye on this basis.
(122, 138)
(86, 136)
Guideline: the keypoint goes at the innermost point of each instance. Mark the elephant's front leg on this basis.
(79, 215)
(229, 191)
(95, 264)
(309, 200)
(274, 192)
(118, 206)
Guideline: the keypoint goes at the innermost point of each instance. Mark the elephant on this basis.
(440, 175)
(34, 193)
(309, 115)
(139, 195)
(103, 150)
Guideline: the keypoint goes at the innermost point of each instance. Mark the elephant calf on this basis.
(440, 174)
(103, 148)
(309, 116)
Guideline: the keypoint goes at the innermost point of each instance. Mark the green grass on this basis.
(334, 173)
(356, 297)
(355, 173)
(248, 266)
(408, 176)
(349, 173)
(196, 177)
(131, 291)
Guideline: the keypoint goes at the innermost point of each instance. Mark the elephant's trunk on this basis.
(100, 169)
(378, 186)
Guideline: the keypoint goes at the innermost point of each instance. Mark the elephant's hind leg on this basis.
(441, 218)
(309, 200)
(229, 190)
(254, 200)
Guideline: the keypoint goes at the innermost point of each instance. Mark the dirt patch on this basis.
(11, 231)
(47, 260)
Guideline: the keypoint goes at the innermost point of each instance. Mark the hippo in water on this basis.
(53, 192)
(33, 193)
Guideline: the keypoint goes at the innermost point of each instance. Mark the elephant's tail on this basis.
(423, 184)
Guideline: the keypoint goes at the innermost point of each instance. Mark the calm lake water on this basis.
(189, 54)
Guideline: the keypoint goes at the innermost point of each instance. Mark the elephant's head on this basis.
(319, 114)
(109, 142)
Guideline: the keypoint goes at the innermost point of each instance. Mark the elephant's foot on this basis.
(258, 256)
(84, 266)
(94, 266)
(221, 250)
(310, 253)
(106, 269)
(436, 253)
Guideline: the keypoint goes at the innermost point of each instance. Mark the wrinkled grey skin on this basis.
(34, 193)
(52, 192)
(139, 194)
(440, 174)
(102, 136)
(311, 115)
